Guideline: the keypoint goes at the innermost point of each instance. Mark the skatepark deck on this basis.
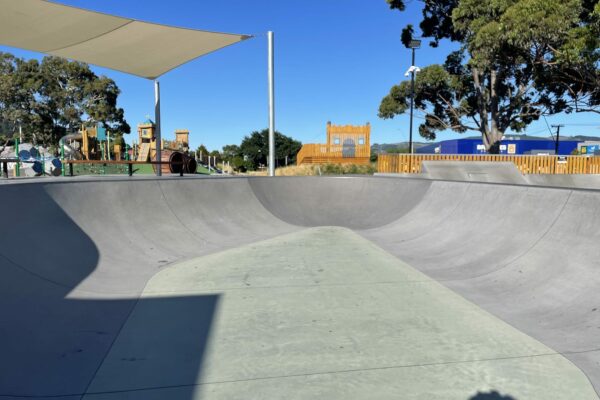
(300, 287)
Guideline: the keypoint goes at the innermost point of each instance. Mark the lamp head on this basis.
(414, 44)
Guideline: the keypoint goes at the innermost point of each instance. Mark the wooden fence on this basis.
(338, 154)
(407, 163)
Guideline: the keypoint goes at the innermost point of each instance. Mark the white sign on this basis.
(480, 147)
(502, 147)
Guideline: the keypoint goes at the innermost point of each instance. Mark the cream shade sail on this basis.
(139, 48)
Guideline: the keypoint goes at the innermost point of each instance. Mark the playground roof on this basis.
(135, 47)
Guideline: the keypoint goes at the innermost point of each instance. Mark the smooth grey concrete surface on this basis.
(328, 306)
(528, 255)
(76, 256)
(497, 172)
(565, 180)
(340, 201)
(475, 171)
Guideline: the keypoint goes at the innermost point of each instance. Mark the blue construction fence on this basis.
(509, 146)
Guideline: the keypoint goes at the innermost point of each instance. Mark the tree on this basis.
(202, 150)
(255, 148)
(576, 72)
(19, 83)
(50, 97)
(216, 156)
(230, 151)
(510, 69)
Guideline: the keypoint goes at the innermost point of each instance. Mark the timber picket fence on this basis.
(407, 163)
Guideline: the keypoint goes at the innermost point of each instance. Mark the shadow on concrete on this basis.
(57, 342)
(493, 395)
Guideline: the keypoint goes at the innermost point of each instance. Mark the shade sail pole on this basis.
(157, 125)
(271, 66)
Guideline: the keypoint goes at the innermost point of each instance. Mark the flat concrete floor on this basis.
(298, 288)
(324, 313)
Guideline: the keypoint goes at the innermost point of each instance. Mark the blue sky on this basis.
(335, 60)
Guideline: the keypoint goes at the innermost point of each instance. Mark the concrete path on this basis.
(214, 288)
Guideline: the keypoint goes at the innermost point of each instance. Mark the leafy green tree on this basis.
(239, 164)
(202, 150)
(255, 148)
(19, 84)
(231, 151)
(216, 155)
(511, 67)
(575, 72)
(55, 95)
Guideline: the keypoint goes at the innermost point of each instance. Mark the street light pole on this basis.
(413, 45)
(157, 132)
(412, 102)
(271, 76)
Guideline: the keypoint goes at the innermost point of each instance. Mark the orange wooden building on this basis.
(346, 144)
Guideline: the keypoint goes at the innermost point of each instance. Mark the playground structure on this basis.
(174, 153)
(89, 143)
(27, 160)
(346, 144)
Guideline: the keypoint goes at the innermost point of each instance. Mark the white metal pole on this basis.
(271, 65)
(108, 149)
(157, 125)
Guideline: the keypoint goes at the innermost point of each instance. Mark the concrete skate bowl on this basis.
(314, 287)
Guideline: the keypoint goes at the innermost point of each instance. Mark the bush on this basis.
(347, 169)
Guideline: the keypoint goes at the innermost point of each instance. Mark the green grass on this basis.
(138, 169)
(98, 169)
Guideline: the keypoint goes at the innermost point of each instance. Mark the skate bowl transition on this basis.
(300, 287)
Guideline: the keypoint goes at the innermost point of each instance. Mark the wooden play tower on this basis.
(346, 144)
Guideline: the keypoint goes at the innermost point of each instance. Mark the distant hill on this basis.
(583, 137)
(516, 137)
(378, 148)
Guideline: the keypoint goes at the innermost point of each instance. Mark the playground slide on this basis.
(69, 151)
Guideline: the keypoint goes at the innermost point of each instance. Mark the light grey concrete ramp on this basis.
(208, 288)
(575, 181)
(75, 257)
(529, 255)
(474, 171)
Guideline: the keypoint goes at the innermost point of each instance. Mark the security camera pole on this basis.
(413, 44)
